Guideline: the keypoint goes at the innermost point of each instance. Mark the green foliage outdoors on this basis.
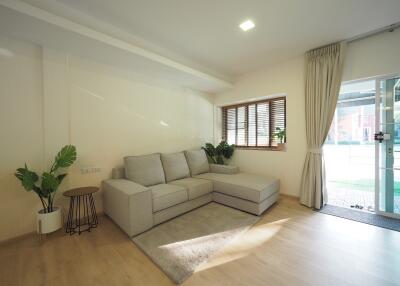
(217, 154)
(47, 185)
(363, 185)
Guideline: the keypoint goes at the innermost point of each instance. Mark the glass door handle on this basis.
(381, 136)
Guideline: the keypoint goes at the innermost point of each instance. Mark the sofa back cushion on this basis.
(146, 170)
(175, 166)
(118, 172)
(197, 161)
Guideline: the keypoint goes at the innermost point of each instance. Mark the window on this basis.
(253, 124)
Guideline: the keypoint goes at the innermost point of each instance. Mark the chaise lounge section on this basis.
(154, 188)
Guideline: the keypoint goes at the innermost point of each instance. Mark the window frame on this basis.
(246, 105)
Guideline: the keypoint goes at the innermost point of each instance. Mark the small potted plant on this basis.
(217, 154)
(281, 135)
(45, 187)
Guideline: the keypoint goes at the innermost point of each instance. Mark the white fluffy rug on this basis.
(180, 245)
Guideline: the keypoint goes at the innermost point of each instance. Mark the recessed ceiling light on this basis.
(247, 25)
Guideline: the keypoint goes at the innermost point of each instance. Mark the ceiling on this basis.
(25, 22)
(205, 35)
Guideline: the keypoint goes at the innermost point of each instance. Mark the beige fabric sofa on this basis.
(154, 188)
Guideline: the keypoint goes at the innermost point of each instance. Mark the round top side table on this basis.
(82, 211)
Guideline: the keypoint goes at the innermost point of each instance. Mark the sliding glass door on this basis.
(362, 151)
(349, 150)
(387, 150)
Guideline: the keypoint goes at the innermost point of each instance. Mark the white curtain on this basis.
(324, 68)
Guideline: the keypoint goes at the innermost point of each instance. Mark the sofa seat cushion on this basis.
(250, 187)
(175, 166)
(166, 195)
(146, 170)
(195, 187)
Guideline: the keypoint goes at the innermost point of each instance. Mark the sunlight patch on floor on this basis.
(187, 247)
(245, 244)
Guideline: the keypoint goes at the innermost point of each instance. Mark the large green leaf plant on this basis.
(217, 154)
(47, 185)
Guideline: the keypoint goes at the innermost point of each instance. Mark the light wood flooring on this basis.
(290, 245)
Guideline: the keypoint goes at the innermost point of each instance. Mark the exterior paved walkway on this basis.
(344, 197)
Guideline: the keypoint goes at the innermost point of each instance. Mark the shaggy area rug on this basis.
(182, 244)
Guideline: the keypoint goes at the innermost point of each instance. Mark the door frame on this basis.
(378, 80)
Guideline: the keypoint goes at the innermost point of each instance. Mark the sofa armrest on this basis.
(223, 169)
(129, 205)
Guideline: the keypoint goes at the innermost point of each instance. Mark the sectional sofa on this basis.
(151, 189)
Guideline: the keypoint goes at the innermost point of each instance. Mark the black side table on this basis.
(82, 211)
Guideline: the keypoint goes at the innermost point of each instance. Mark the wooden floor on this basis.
(290, 245)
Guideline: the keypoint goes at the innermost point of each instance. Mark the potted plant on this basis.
(216, 154)
(281, 135)
(45, 187)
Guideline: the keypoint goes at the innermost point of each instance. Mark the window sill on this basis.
(274, 148)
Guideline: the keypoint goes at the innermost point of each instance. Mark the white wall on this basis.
(283, 78)
(21, 132)
(49, 99)
(376, 55)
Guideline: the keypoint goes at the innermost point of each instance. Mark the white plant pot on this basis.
(48, 222)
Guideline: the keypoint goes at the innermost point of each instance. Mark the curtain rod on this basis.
(389, 28)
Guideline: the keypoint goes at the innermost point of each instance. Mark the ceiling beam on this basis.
(82, 30)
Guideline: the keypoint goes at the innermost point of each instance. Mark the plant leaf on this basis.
(219, 148)
(49, 183)
(66, 157)
(210, 152)
(40, 192)
(27, 178)
(220, 160)
(60, 178)
(228, 151)
(225, 149)
(210, 149)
